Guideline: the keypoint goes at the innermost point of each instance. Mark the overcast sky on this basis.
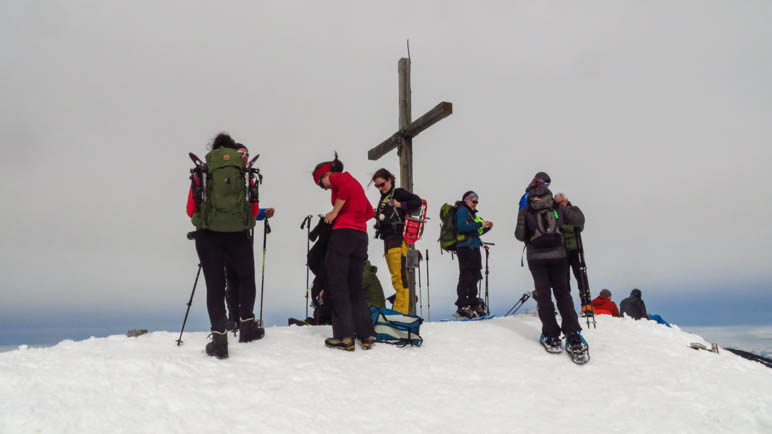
(653, 117)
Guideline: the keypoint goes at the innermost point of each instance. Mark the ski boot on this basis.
(577, 348)
(551, 344)
(219, 345)
(346, 344)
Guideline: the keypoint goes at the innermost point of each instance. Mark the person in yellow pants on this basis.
(395, 203)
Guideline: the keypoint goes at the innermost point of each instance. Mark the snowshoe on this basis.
(219, 345)
(551, 344)
(466, 312)
(414, 224)
(577, 349)
(481, 309)
(346, 344)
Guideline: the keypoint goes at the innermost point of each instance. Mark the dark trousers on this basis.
(552, 274)
(232, 292)
(214, 249)
(469, 266)
(573, 261)
(345, 260)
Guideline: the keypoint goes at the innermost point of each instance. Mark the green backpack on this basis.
(225, 207)
(448, 235)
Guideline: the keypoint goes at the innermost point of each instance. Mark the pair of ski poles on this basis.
(191, 236)
(420, 288)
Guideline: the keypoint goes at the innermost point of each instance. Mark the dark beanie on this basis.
(605, 293)
(636, 293)
(543, 176)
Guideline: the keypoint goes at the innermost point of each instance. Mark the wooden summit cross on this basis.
(402, 140)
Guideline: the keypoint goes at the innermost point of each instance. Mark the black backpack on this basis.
(544, 222)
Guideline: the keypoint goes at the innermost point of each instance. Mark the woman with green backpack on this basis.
(223, 235)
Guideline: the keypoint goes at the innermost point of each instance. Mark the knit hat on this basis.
(543, 176)
(606, 293)
(635, 293)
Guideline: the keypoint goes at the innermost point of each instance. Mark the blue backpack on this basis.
(392, 327)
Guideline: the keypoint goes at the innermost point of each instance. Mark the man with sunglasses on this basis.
(469, 227)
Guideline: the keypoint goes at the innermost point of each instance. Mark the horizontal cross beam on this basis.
(441, 111)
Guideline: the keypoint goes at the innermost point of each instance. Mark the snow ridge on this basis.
(485, 376)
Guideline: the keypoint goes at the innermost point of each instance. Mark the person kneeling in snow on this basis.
(602, 304)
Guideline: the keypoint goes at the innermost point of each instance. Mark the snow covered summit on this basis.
(485, 376)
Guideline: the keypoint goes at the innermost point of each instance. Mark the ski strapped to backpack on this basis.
(392, 327)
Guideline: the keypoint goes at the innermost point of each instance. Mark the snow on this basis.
(484, 376)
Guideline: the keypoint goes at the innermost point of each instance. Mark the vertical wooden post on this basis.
(406, 157)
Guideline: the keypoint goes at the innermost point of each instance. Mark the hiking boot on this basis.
(346, 344)
(249, 331)
(367, 343)
(219, 345)
(231, 326)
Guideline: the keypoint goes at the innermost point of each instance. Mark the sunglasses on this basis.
(244, 154)
(381, 185)
(475, 202)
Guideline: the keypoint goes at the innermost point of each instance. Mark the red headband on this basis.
(321, 171)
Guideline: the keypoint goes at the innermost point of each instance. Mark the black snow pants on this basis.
(214, 250)
(469, 273)
(345, 260)
(553, 274)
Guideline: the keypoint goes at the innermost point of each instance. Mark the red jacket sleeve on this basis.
(255, 209)
(191, 207)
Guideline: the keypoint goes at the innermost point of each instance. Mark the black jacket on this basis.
(389, 220)
(634, 307)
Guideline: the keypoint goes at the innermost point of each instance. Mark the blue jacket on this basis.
(466, 225)
(261, 215)
(524, 199)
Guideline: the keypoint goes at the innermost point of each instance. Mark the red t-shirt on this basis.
(357, 209)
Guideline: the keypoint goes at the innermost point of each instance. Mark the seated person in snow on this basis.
(633, 306)
(603, 304)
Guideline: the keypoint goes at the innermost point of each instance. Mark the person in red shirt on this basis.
(603, 304)
(346, 255)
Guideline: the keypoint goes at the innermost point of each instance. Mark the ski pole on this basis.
(513, 310)
(307, 225)
(428, 297)
(487, 301)
(266, 231)
(420, 289)
(587, 310)
(179, 340)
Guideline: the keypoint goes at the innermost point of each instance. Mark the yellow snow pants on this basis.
(396, 254)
